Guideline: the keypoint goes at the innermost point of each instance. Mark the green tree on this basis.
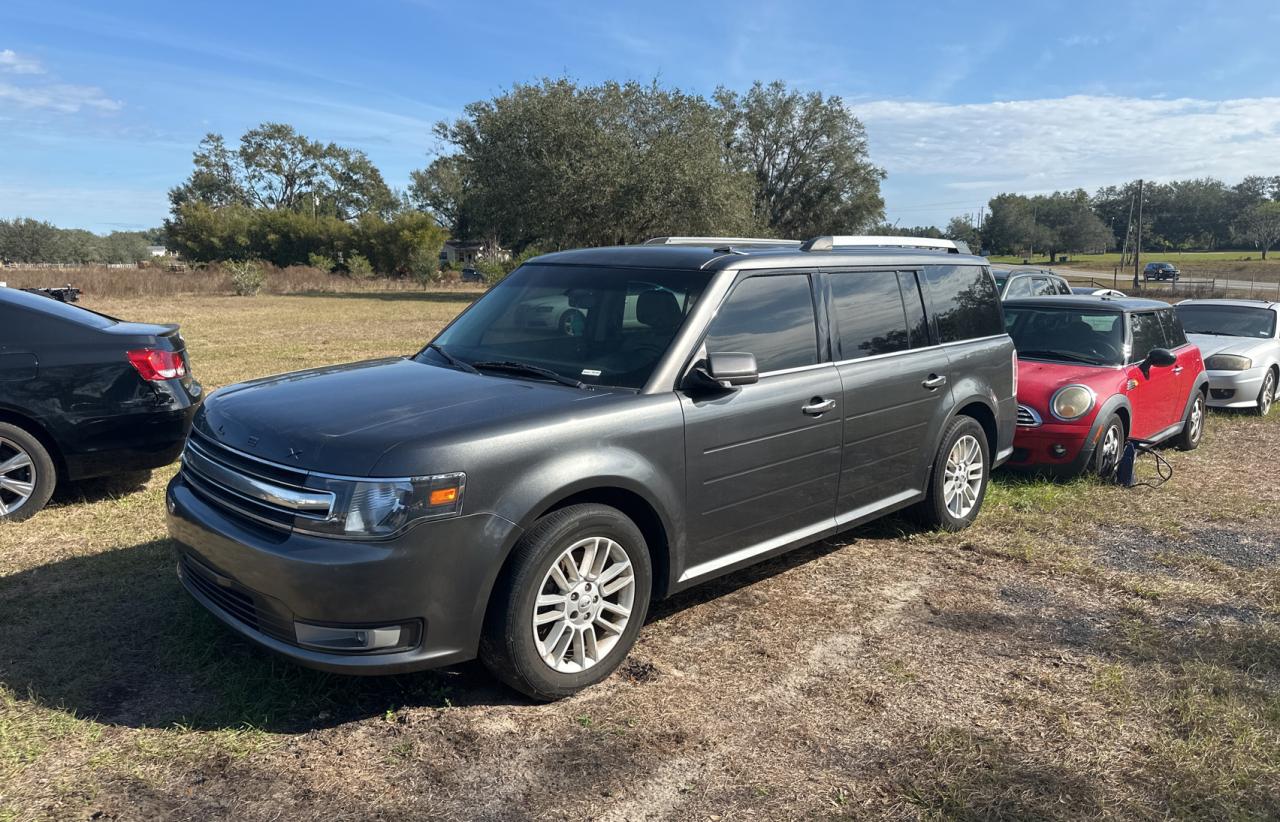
(1260, 225)
(962, 228)
(808, 154)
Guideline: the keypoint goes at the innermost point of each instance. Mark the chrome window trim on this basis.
(889, 354)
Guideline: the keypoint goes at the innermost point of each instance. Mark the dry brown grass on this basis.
(1082, 652)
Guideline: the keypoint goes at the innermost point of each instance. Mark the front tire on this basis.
(570, 603)
(958, 484)
(27, 474)
(1267, 396)
(1192, 427)
(1106, 457)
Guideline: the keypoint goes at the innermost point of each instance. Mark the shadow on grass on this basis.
(100, 488)
(114, 636)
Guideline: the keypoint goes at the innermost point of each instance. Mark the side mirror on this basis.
(733, 369)
(1161, 358)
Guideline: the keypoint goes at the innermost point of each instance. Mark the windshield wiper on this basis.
(452, 360)
(1059, 355)
(526, 368)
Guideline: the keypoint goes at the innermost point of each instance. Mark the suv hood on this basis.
(342, 419)
(1210, 344)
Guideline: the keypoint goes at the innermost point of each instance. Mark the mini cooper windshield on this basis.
(1067, 334)
(578, 325)
(1228, 320)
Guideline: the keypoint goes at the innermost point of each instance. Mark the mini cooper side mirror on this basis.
(1161, 358)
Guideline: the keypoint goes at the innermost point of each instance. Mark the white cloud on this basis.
(59, 97)
(15, 63)
(1069, 142)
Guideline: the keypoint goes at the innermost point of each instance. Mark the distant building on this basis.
(459, 253)
(157, 251)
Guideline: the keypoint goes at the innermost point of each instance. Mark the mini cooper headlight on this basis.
(379, 508)
(1071, 402)
(1228, 362)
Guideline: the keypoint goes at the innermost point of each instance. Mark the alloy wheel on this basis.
(1197, 419)
(1110, 456)
(583, 604)
(963, 477)
(1268, 395)
(17, 476)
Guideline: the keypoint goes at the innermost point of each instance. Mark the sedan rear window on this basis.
(1228, 320)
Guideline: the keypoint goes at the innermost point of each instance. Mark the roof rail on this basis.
(830, 243)
(743, 242)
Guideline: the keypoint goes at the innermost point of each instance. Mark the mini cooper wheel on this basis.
(1192, 426)
(1106, 455)
(1267, 396)
(958, 483)
(570, 604)
(27, 474)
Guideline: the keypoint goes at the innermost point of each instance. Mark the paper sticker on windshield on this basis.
(590, 372)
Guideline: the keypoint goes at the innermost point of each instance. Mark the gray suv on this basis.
(521, 489)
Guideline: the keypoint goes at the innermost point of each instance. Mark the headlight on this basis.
(1228, 362)
(379, 508)
(1071, 402)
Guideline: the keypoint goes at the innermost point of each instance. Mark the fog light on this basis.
(325, 638)
(1058, 449)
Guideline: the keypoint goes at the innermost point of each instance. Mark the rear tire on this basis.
(1106, 456)
(27, 474)
(557, 625)
(1192, 427)
(958, 484)
(1267, 396)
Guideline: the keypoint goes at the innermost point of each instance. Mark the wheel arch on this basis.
(980, 410)
(37, 429)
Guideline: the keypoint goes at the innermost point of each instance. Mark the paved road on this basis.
(1104, 279)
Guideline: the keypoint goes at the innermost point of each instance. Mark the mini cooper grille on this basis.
(1027, 417)
(271, 494)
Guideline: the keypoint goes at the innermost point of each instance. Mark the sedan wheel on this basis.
(1267, 397)
(27, 474)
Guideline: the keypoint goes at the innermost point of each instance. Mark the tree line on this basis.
(1183, 215)
(24, 240)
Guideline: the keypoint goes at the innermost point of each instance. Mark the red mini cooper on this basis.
(1096, 371)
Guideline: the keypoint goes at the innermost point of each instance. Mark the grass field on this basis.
(1238, 266)
(1083, 652)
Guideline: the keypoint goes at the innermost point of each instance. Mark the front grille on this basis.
(267, 493)
(1027, 417)
(237, 602)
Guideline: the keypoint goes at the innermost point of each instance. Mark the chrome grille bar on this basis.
(294, 500)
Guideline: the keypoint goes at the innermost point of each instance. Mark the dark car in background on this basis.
(1017, 283)
(1160, 271)
(84, 395)
(522, 490)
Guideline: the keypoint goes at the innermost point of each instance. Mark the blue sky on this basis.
(101, 104)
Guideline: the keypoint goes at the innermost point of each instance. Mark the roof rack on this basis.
(741, 242)
(832, 242)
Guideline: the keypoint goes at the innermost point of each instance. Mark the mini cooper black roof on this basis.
(1087, 301)
(719, 253)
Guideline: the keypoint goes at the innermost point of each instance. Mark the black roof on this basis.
(720, 257)
(1088, 301)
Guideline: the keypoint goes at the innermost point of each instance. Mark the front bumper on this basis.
(1235, 389)
(436, 577)
(1033, 448)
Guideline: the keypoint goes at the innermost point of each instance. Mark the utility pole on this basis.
(1137, 244)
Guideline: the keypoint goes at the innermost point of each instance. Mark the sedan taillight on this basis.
(156, 365)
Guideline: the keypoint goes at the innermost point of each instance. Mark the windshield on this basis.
(1228, 320)
(1079, 335)
(588, 324)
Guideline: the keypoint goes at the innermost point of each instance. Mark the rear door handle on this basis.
(818, 406)
(934, 381)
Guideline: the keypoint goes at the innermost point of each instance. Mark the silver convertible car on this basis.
(1240, 341)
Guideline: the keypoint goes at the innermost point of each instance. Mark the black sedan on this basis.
(84, 395)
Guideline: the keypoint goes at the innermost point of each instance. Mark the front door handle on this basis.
(1177, 369)
(935, 381)
(818, 406)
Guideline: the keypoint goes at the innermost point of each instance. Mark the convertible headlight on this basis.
(1071, 402)
(378, 508)
(1228, 362)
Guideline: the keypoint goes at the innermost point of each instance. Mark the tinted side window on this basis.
(1063, 286)
(1019, 287)
(770, 317)
(1045, 287)
(1173, 333)
(913, 301)
(869, 313)
(1147, 334)
(964, 301)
